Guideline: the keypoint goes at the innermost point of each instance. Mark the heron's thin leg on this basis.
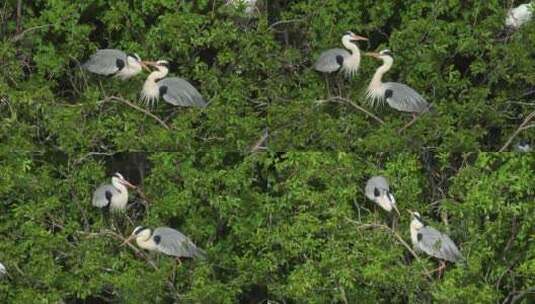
(410, 123)
(326, 78)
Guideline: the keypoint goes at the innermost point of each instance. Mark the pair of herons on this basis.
(397, 95)
(424, 237)
(174, 90)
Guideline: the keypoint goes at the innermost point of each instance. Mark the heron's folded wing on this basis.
(104, 62)
(405, 98)
(327, 61)
(179, 92)
(438, 244)
(100, 199)
(173, 242)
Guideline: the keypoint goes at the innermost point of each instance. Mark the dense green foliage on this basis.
(281, 226)
(291, 228)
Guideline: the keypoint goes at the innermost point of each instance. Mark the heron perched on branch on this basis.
(112, 62)
(173, 90)
(166, 240)
(113, 196)
(433, 242)
(250, 5)
(337, 59)
(397, 95)
(378, 190)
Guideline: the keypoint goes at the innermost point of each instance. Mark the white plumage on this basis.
(519, 15)
(3, 270)
(250, 5)
(337, 59)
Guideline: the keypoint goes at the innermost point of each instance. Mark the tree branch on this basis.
(341, 99)
(523, 126)
(130, 104)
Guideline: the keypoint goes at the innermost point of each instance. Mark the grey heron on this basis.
(519, 15)
(378, 190)
(523, 146)
(337, 59)
(398, 96)
(433, 242)
(113, 196)
(112, 62)
(173, 90)
(165, 240)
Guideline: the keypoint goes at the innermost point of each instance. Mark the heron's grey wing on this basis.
(376, 182)
(106, 62)
(438, 244)
(179, 92)
(102, 196)
(329, 61)
(404, 98)
(173, 242)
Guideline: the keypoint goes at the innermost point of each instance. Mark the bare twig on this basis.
(341, 99)
(274, 24)
(523, 126)
(516, 296)
(259, 145)
(19, 16)
(20, 35)
(398, 237)
(130, 104)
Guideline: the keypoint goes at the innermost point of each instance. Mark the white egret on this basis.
(173, 90)
(519, 15)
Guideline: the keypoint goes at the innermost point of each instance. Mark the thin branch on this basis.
(19, 36)
(523, 126)
(273, 25)
(341, 99)
(259, 145)
(398, 237)
(130, 104)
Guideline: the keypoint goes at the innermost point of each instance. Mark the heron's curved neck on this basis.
(120, 187)
(355, 51)
(378, 76)
(156, 75)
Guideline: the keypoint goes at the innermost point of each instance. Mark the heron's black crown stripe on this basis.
(141, 228)
(419, 236)
(157, 239)
(348, 33)
(163, 90)
(120, 64)
(376, 192)
(340, 59)
(389, 93)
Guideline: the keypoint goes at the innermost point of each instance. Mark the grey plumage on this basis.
(104, 62)
(173, 242)
(179, 92)
(376, 182)
(327, 62)
(437, 244)
(101, 196)
(404, 98)
(3, 270)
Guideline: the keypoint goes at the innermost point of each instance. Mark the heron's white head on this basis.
(417, 221)
(118, 179)
(351, 37)
(385, 55)
(141, 233)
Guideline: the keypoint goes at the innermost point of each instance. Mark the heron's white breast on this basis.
(119, 200)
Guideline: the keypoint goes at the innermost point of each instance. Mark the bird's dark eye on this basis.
(376, 192)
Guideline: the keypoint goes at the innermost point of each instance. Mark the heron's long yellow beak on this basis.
(128, 184)
(357, 37)
(128, 240)
(144, 66)
(372, 54)
(397, 211)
